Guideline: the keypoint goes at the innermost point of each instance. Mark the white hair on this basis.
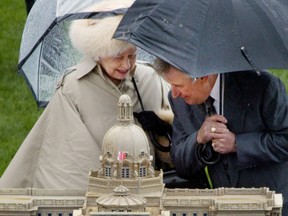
(93, 37)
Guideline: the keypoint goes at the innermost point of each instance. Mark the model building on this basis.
(127, 184)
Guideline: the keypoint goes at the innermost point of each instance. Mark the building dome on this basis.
(125, 148)
(125, 138)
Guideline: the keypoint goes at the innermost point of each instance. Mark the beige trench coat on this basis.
(65, 143)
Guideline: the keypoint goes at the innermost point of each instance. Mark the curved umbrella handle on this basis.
(206, 154)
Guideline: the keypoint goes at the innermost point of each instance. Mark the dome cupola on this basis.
(125, 145)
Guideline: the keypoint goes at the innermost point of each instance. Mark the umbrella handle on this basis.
(211, 159)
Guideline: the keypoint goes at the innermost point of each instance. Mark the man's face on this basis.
(191, 90)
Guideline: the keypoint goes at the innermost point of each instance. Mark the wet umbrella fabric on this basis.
(46, 50)
(203, 37)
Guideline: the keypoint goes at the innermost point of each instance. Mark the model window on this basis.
(184, 214)
(142, 171)
(125, 172)
(194, 214)
(108, 171)
(174, 214)
(205, 214)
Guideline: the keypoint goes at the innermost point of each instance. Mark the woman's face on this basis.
(118, 67)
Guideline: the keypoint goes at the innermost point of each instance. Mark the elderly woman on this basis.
(66, 141)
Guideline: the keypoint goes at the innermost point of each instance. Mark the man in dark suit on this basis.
(251, 136)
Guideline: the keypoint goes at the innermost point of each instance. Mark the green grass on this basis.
(283, 74)
(18, 109)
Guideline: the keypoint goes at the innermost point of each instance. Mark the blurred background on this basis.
(18, 109)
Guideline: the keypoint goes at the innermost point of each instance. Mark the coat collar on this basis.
(87, 65)
(84, 67)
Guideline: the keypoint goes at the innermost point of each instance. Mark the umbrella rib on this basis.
(202, 32)
(38, 77)
(37, 43)
(93, 15)
(69, 17)
(268, 22)
(242, 46)
(248, 59)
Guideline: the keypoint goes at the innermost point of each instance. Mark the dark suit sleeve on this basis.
(184, 144)
(269, 144)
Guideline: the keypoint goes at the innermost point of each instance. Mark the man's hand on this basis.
(214, 129)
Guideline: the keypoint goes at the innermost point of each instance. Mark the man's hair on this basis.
(161, 66)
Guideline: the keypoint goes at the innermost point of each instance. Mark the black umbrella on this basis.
(202, 37)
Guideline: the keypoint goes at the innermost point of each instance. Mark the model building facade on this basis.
(127, 184)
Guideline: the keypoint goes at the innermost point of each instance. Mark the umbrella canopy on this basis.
(203, 37)
(46, 50)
